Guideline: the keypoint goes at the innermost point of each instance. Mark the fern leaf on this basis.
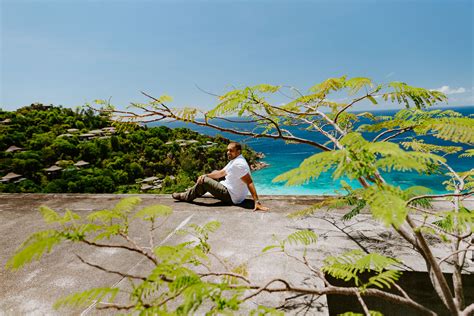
(87, 297)
(186, 114)
(103, 215)
(310, 168)
(357, 83)
(34, 248)
(304, 237)
(49, 215)
(384, 279)
(266, 88)
(467, 153)
(126, 205)
(331, 84)
(386, 205)
(151, 212)
(211, 226)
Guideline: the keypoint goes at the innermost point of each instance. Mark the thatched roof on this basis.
(53, 168)
(13, 149)
(10, 176)
(81, 163)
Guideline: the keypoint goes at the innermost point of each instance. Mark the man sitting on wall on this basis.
(238, 182)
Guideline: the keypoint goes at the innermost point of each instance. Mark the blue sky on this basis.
(70, 52)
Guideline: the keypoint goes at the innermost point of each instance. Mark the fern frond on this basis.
(357, 83)
(386, 204)
(384, 279)
(49, 216)
(182, 282)
(467, 154)
(417, 191)
(375, 262)
(331, 84)
(455, 129)
(105, 216)
(109, 231)
(405, 94)
(310, 168)
(355, 211)
(350, 264)
(421, 146)
(304, 237)
(126, 205)
(266, 88)
(186, 114)
(34, 248)
(153, 211)
(87, 297)
(241, 269)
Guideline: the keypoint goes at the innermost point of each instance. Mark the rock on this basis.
(258, 165)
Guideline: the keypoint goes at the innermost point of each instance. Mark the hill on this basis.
(51, 149)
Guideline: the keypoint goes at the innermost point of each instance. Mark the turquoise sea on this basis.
(282, 157)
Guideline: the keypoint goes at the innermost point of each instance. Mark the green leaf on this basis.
(126, 205)
(151, 212)
(87, 297)
(267, 248)
(49, 215)
(304, 237)
(386, 205)
(372, 99)
(34, 248)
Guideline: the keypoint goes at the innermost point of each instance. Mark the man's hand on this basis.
(259, 207)
(201, 179)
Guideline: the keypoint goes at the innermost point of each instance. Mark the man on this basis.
(238, 182)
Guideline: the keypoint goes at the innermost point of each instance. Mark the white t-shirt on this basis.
(236, 169)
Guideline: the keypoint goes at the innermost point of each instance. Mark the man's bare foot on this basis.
(178, 196)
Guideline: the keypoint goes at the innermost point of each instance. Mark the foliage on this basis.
(117, 160)
(364, 152)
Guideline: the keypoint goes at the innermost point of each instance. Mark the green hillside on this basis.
(51, 149)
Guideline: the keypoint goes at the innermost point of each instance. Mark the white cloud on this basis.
(449, 90)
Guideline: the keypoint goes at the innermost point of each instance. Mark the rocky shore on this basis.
(259, 164)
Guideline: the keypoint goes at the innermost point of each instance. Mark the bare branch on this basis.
(235, 275)
(123, 275)
(404, 129)
(140, 251)
(432, 196)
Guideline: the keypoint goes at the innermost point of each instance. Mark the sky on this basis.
(69, 52)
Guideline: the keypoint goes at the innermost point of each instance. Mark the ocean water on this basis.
(282, 157)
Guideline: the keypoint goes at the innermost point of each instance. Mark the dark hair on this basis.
(236, 145)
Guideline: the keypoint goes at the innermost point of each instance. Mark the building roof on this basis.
(10, 176)
(13, 149)
(150, 179)
(53, 168)
(81, 163)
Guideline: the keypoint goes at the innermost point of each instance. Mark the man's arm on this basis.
(216, 174)
(249, 182)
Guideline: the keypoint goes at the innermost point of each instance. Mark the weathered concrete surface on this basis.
(240, 239)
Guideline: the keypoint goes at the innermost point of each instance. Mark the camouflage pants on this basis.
(217, 189)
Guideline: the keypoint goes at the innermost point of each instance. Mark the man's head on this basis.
(233, 150)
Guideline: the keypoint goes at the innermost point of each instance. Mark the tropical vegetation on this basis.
(115, 156)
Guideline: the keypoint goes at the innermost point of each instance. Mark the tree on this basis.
(348, 153)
